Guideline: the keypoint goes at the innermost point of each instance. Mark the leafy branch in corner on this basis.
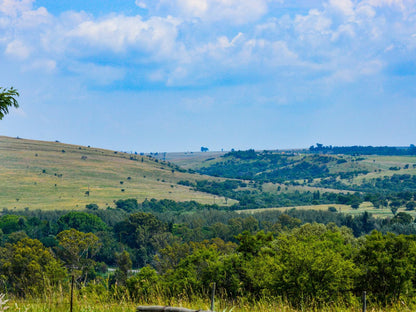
(7, 99)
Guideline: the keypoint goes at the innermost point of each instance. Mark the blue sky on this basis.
(175, 75)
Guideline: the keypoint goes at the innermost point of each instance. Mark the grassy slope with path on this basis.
(53, 175)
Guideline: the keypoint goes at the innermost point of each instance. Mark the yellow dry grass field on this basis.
(53, 175)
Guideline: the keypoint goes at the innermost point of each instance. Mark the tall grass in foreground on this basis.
(100, 297)
(58, 301)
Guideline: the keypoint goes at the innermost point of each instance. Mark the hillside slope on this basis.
(53, 175)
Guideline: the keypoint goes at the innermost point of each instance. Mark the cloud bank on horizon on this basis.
(173, 75)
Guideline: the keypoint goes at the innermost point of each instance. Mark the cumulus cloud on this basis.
(15, 7)
(233, 11)
(120, 33)
(141, 4)
(345, 7)
(18, 50)
(22, 14)
(179, 45)
(402, 4)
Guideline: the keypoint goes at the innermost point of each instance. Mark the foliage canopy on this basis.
(7, 100)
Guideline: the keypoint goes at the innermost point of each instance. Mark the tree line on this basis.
(364, 150)
(306, 257)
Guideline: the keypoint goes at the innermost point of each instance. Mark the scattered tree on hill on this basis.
(394, 206)
(402, 218)
(411, 205)
(7, 100)
(128, 205)
(91, 206)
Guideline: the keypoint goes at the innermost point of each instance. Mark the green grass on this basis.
(191, 160)
(101, 303)
(51, 175)
(365, 206)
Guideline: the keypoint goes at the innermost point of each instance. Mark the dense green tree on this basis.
(16, 236)
(124, 264)
(27, 267)
(12, 223)
(7, 100)
(387, 263)
(128, 205)
(81, 221)
(193, 272)
(77, 250)
(109, 248)
(250, 245)
(144, 285)
(402, 218)
(145, 233)
(411, 205)
(91, 206)
(314, 264)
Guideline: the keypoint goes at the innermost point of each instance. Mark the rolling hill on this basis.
(53, 175)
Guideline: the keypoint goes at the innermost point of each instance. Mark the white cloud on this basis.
(15, 7)
(371, 68)
(120, 33)
(45, 65)
(191, 42)
(264, 53)
(157, 76)
(342, 31)
(365, 11)
(399, 3)
(18, 49)
(345, 7)
(313, 26)
(232, 11)
(141, 4)
(33, 18)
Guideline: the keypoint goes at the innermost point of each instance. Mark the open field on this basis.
(273, 188)
(365, 206)
(52, 175)
(189, 160)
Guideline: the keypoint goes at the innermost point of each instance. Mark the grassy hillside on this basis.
(364, 207)
(306, 171)
(189, 160)
(52, 175)
(274, 179)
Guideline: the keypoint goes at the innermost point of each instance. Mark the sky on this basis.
(175, 75)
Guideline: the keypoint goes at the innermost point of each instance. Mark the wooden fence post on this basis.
(364, 301)
(213, 296)
(72, 291)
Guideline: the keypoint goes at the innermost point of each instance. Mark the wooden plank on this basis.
(165, 309)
